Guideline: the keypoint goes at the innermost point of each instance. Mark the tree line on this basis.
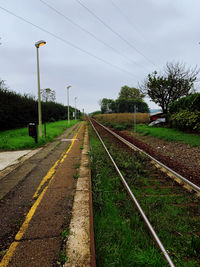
(129, 97)
(172, 89)
(163, 88)
(18, 110)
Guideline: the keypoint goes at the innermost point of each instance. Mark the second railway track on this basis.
(172, 211)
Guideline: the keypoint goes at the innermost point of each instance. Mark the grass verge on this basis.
(19, 139)
(169, 134)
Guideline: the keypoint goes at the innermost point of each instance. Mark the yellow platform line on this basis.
(9, 254)
(46, 178)
(53, 169)
(7, 257)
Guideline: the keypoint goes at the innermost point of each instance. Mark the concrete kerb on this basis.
(80, 244)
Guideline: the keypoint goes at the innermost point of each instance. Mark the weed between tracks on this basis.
(121, 237)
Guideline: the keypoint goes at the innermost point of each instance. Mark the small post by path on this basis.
(134, 118)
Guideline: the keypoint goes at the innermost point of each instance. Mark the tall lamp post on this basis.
(38, 44)
(75, 98)
(68, 102)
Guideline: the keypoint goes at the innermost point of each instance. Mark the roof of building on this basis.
(156, 113)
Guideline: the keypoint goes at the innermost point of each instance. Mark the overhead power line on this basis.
(138, 30)
(124, 16)
(67, 42)
(86, 31)
(113, 31)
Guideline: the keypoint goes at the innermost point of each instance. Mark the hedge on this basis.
(17, 111)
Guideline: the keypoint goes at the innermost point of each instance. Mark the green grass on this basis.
(75, 176)
(77, 165)
(62, 257)
(65, 234)
(19, 139)
(169, 134)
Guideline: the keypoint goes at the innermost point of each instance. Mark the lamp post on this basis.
(38, 44)
(68, 102)
(75, 98)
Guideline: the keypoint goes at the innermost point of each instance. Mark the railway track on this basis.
(187, 184)
(164, 191)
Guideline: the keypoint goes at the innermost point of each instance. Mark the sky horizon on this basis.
(95, 46)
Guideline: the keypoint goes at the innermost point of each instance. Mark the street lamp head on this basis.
(40, 43)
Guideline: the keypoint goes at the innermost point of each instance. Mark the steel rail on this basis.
(153, 233)
(180, 177)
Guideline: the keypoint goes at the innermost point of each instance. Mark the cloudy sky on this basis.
(96, 46)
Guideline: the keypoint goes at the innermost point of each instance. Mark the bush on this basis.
(185, 113)
(191, 102)
(186, 120)
(107, 124)
(119, 127)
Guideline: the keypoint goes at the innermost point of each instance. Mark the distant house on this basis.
(156, 115)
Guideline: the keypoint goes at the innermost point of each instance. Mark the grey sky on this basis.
(154, 32)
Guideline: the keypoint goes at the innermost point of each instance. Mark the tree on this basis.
(127, 105)
(107, 105)
(97, 112)
(48, 95)
(177, 81)
(127, 92)
(3, 85)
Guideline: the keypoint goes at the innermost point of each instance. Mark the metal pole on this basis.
(134, 118)
(68, 103)
(45, 127)
(75, 106)
(39, 97)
